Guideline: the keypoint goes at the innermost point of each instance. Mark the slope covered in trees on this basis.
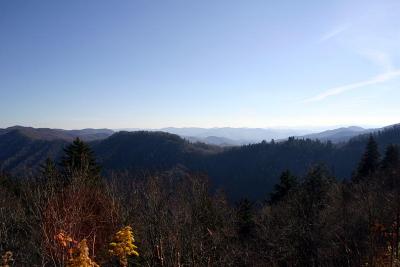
(245, 171)
(60, 134)
(19, 152)
(149, 150)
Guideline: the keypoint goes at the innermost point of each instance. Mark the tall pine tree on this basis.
(48, 171)
(79, 160)
(244, 218)
(391, 159)
(287, 183)
(369, 163)
(312, 198)
(391, 167)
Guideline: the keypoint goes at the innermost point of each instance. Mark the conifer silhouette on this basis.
(287, 182)
(79, 159)
(391, 159)
(369, 163)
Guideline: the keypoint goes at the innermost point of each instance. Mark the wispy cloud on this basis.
(333, 33)
(341, 89)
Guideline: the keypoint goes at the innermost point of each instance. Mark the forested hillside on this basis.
(22, 153)
(149, 150)
(243, 171)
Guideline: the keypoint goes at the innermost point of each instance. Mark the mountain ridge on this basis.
(249, 170)
(338, 135)
(50, 134)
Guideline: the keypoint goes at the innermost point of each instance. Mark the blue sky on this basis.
(209, 63)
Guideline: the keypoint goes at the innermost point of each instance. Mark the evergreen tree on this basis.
(308, 205)
(316, 185)
(48, 167)
(287, 183)
(79, 159)
(391, 159)
(48, 171)
(369, 163)
(244, 218)
(391, 167)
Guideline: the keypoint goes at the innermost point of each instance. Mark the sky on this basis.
(199, 63)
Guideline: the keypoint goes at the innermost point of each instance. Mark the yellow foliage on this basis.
(123, 245)
(80, 256)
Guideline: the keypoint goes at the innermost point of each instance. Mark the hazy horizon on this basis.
(308, 128)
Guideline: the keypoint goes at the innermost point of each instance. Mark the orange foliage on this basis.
(78, 253)
(83, 212)
(7, 258)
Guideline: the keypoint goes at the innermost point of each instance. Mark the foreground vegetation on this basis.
(70, 211)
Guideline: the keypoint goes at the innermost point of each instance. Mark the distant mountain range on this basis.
(338, 135)
(212, 136)
(215, 140)
(227, 136)
(249, 170)
(237, 135)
